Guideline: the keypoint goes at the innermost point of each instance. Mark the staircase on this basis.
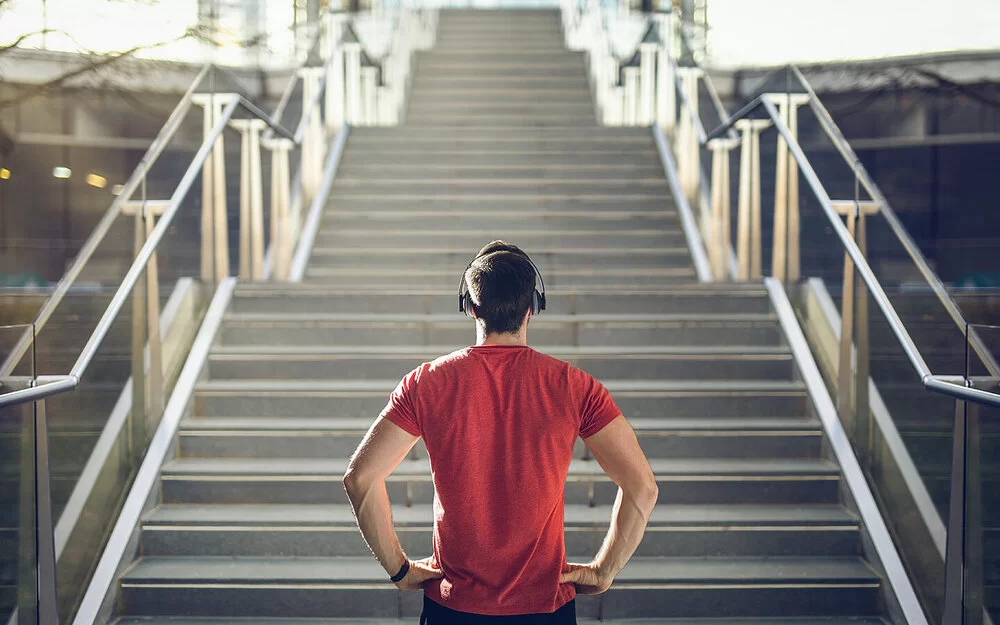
(501, 141)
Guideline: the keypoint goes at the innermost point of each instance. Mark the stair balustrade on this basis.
(332, 83)
(674, 85)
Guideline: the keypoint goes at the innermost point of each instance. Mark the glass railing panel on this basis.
(983, 512)
(18, 530)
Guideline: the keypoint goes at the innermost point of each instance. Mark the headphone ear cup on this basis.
(467, 305)
(535, 303)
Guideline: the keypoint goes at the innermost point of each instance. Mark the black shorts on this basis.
(436, 614)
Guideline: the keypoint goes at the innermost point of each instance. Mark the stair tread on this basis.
(662, 467)
(331, 571)
(433, 351)
(293, 386)
(225, 425)
(547, 318)
(663, 515)
(707, 423)
(172, 620)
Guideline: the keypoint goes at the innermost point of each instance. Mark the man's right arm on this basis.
(617, 450)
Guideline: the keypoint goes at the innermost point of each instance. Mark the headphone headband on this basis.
(537, 295)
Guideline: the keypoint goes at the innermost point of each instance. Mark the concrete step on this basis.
(471, 241)
(559, 188)
(429, 141)
(356, 586)
(681, 481)
(436, 56)
(484, 93)
(522, 215)
(449, 83)
(695, 300)
(502, 69)
(497, 208)
(288, 437)
(536, 121)
(582, 621)
(417, 170)
(442, 278)
(335, 362)
(549, 328)
(366, 398)
(404, 157)
(548, 261)
(330, 531)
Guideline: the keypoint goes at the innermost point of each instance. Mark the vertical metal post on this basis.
(719, 242)
(844, 370)
(281, 234)
(647, 82)
(251, 199)
(335, 77)
(862, 412)
(137, 418)
(352, 53)
(666, 90)
(48, 603)
(369, 91)
(155, 349)
(207, 195)
(794, 236)
(955, 552)
(748, 220)
(245, 181)
(312, 148)
(631, 101)
(779, 256)
(27, 554)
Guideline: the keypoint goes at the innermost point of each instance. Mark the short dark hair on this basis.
(501, 281)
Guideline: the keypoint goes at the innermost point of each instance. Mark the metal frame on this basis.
(159, 447)
(698, 256)
(842, 450)
(311, 226)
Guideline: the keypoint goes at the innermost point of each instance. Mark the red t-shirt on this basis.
(499, 423)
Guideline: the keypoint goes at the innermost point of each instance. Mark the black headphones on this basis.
(537, 295)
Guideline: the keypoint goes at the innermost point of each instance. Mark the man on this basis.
(499, 421)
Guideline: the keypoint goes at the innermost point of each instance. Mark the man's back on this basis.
(499, 423)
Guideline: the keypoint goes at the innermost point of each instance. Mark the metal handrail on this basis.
(156, 148)
(857, 167)
(940, 384)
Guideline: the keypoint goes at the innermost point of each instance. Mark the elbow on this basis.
(646, 494)
(354, 484)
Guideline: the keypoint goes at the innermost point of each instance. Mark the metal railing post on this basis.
(785, 260)
(666, 90)
(647, 82)
(48, 597)
(312, 140)
(748, 231)
(853, 363)
(281, 234)
(719, 227)
(352, 77)
(335, 77)
(631, 98)
(214, 226)
(251, 199)
(688, 148)
(369, 92)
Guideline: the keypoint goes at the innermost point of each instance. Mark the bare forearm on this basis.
(374, 515)
(628, 523)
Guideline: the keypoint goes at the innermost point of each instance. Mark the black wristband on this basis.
(403, 570)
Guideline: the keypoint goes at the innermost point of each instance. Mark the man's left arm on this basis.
(380, 452)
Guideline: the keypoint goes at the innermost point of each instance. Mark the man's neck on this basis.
(496, 338)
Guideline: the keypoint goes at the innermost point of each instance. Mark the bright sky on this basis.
(773, 32)
(113, 25)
